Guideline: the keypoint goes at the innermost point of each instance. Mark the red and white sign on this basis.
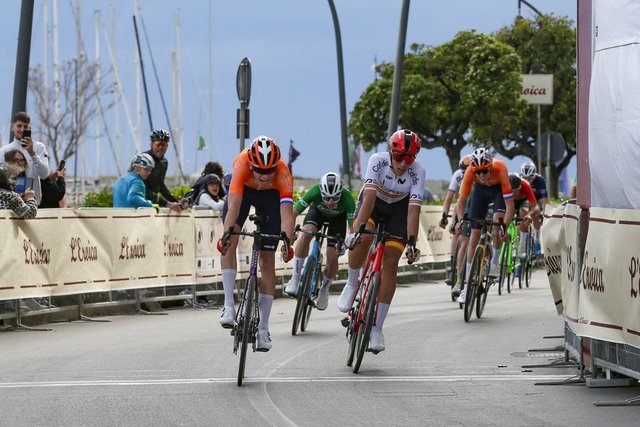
(537, 88)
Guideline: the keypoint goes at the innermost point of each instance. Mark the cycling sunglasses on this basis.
(264, 171)
(160, 144)
(482, 171)
(332, 199)
(400, 157)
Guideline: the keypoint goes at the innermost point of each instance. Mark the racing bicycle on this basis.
(310, 278)
(247, 318)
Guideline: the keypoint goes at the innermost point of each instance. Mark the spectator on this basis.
(53, 188)
(24, 205)
(156, 190)
(212, 168)
(16, 158)
(129, 190)
(210, 193)
(34, 152)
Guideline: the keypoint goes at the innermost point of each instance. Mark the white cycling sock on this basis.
(297, 268)
(352, 278)
(265, 301)
(229, 285)
(495, 256)
(326, 282)
(383, 309)
(523, 240)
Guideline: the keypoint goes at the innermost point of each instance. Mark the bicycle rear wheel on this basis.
(475, 277)
(483, 292)
(504, 266)
(302, 299)
(368, 317)
(454, 271)
(312, 290)
(246, 316)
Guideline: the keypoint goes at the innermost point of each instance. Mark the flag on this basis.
(293, 154)
(201, 144)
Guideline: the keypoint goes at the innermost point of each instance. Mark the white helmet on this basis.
(331, 186)
(528, 170)
(481, 158)
(144, 160)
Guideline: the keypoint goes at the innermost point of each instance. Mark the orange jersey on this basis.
(243, 176)
(499, 174)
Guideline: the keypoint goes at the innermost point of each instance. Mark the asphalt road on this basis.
(178, 369)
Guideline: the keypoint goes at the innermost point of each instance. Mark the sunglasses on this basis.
(264, 171)
(332, 199)
(403, 157)
(160, 144)
(482, 171)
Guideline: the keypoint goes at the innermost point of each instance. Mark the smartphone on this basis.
(26, 133)
(62, 164)
(23, 184)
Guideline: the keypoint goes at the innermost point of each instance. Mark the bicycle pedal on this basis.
(345, 321)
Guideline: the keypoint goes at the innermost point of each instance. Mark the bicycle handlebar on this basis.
(319, 233)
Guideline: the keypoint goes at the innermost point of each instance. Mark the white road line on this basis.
(346, 379)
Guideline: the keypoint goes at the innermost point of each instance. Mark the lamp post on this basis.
(346, 165)
(397, 71)
(530, 7)
(243, 87)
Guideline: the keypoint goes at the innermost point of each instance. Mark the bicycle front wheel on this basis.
(368, 317)
(475, 278)
(302, 300)
(246, 316)
(312, 291)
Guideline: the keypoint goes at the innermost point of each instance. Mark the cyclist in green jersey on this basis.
(328, 202)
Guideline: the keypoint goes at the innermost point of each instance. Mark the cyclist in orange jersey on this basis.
(260, 179)
(491, 177)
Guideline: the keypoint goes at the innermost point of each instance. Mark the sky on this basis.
(292, 48)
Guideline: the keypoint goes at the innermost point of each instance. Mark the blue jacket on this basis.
(128, 192)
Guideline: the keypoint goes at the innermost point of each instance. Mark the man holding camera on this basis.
(34, 152)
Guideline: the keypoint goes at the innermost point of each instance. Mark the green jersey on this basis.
(313, 196)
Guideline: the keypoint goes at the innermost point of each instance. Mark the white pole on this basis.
(97, 170)
(45, 33)
(210, 115)
(116, 89)
(56, 65)
(178, 119)
(539, 142)
(136, 9)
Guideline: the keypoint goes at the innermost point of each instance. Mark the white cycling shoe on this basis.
(227, 317)
(376, 341)
(346, 298)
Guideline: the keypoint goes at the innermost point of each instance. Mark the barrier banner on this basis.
(67, 251)
(558, 239)
(74, 251)
(608, 302)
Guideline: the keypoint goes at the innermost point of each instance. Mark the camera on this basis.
(26, 133)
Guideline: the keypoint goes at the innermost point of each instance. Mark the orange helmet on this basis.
(263, 153)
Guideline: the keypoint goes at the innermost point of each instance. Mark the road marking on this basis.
(345, 379)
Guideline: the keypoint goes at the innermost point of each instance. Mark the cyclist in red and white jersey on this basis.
(393, 191)
(260, 179)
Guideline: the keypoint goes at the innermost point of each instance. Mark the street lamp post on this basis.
(397, 71)
(346, 164)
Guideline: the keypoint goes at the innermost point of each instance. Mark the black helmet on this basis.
(160, 135)
(211, 179)
(515, 181)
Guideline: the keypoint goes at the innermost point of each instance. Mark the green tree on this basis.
(461, 92)
(546, 45)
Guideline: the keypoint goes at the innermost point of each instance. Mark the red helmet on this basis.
(404, 142)
(263, 153)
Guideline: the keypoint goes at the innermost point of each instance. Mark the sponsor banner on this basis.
(608, 306)
(67, 251)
